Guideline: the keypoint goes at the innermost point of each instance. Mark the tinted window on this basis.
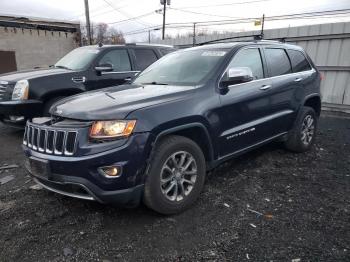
(119, 59)
(144, 57)
(299, 62)
(277, 61)
(249, 58)
(166, 51)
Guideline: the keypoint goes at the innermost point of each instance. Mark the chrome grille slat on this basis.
(31, 136)
(41, 140)
(45, 142)
(64, 142)
(25, 136)
(35, 138)
(59, 141)
(50, 141)
(3, 91)
(69, 148)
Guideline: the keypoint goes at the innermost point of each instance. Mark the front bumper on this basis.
(78, 176)
(127, 197)
(26, 108)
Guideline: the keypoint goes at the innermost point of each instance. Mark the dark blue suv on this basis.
(155, 139)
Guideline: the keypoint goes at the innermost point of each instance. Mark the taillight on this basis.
(321, 76)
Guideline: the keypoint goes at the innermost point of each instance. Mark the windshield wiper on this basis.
(64, 67)
(155, 83)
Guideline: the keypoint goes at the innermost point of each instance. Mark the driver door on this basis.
(121, 70)
(245, 107)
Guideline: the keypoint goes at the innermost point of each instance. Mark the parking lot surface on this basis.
(267, 205)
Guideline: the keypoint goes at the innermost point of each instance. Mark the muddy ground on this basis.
(302, 204)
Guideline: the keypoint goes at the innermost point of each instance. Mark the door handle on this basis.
(128, 79)
(298, 79)
(265, 87)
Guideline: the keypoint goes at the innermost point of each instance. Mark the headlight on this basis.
(21, 90)
(112, 129)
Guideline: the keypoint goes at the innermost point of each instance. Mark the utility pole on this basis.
(194, 34)
(87, 16)
(262, 27)
(164, 10)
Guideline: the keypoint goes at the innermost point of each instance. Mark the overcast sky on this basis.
(111, 11)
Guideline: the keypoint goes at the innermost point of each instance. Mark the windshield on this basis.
(188, 67)
(77, 59)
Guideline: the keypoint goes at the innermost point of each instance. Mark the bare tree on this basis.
(115, 36)
(101, 32)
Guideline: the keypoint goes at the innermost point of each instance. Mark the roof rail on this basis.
(149, 44)
(255, 38)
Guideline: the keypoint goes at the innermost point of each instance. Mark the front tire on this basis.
(176, 175)
(303, 134)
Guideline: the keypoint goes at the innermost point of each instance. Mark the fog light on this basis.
(16, 118)
(110, 171)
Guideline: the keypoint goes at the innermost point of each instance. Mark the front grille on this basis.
(3, 90)
(50, 141)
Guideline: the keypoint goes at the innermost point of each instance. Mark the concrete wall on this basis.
(327, 44)
(36, 47)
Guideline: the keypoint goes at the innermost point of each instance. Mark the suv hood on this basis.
(30, 74)
(117, 102)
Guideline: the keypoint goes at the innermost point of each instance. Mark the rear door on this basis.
(144, 57)
(306, 75)
(245, 108)
(122, 69)
(284, 89)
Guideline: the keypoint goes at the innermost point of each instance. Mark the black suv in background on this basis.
(31, 93)
(155, 139)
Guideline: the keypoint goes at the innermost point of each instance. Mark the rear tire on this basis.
(176, 175)
(303, 134)
(49, 104)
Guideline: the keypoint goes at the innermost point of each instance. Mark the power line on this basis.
(199, 13)
(132, 18)
(123, 13)
(309, 15)
(129, 19)
(236, 3)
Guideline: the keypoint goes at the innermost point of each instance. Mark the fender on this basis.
(64, 91)
(310, 96)
(187, 126)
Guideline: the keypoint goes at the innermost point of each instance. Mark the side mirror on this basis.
(237, 75)
(107, 67)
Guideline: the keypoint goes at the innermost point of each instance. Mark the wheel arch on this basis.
(313, 101)
(197, 132)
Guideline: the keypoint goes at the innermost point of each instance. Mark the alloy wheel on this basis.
(178, 176)
(307, 130)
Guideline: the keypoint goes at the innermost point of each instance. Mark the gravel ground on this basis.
(268, 205)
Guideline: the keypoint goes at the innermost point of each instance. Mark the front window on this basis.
(182, 68)
(78, 59)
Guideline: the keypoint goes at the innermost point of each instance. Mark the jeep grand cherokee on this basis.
(155, 139)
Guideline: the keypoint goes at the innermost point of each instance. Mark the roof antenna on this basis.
(258, 37)
(100, 44)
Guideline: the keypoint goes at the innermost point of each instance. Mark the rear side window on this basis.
(277, 61)
(119, 59)
(249, 58)
(299, 62)
(144, 57)
(166, 51)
